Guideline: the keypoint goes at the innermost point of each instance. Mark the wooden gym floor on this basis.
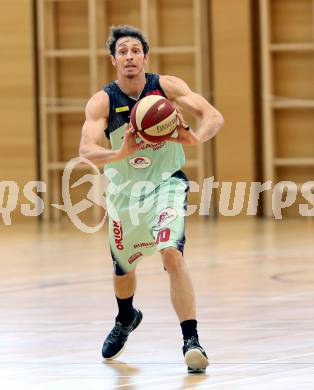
(254, 282)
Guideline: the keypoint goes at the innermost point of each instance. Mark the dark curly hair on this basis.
(121, 31)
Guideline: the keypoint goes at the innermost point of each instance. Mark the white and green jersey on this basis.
(147, 192)
(151, 163)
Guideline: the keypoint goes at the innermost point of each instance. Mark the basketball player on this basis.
(129, 161)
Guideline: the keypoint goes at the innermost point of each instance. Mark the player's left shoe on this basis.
(195, 356)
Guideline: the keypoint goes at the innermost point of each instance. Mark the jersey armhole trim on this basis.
(106, 88)
(160, 87)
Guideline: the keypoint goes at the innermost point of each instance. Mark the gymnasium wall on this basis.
(233, 83)
(17, 108)
(231, 89)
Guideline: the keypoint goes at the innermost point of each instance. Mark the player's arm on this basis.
(96, 120)
(210, 119)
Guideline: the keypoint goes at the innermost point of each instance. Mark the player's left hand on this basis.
(186, 135)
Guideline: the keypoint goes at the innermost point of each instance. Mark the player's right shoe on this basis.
(195, 356)
(116, 339)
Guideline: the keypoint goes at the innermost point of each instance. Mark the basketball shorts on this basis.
(148, 224)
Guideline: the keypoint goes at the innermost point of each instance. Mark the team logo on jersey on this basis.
(134, 257)
(122, 109)
(166, 216)
(140, 162)
(118, 234)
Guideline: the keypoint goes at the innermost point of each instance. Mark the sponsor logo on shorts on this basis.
(163, 236)
(166, 216)
(134, 257)
(118, 234)
(144, 244)
(140, 162)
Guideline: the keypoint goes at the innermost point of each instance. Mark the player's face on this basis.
(129, 59)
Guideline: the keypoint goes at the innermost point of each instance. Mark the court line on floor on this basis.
(178, 363)
(240, 380)
(261, 364)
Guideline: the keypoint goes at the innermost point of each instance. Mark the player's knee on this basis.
(172, 259)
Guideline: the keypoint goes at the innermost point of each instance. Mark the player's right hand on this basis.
(129, 144)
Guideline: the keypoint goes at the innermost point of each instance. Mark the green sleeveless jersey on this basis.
(152, 164)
